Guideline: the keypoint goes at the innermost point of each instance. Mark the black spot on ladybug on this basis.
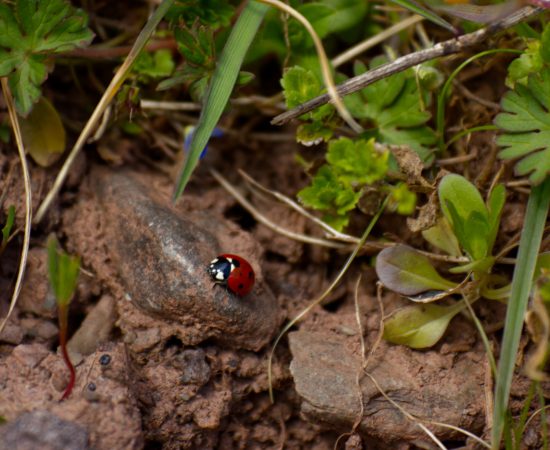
(241, 286)
(250, 275)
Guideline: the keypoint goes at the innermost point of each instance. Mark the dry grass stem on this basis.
(28, 199)
(267, 222)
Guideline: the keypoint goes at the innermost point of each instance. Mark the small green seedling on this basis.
(63, 270)
(468, 227)
(6, 231)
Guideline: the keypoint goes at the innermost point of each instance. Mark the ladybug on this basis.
(233, 272)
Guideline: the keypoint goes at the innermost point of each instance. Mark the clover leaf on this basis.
(30, 31)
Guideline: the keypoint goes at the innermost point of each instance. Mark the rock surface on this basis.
(160, 257)
(325, 367)
(42, 430)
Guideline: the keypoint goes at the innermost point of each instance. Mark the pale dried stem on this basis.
(375, 40)
(269, 223)
(28, 199)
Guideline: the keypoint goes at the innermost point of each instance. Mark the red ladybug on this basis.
(233, 272)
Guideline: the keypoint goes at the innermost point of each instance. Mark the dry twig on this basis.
(449, 47)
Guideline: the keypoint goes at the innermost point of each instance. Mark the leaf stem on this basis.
(62, 317)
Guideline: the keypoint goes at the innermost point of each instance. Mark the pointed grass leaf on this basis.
(43, 133)
(221, 85)
(63, 270)
(405, 271)
(417, 8)
(419, 326)
(525, 123)
(495, 203)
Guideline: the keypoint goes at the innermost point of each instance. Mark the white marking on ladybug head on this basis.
(214, 261)
(219, 275)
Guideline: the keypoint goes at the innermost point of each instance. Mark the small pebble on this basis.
(105, 359)
(91, 387)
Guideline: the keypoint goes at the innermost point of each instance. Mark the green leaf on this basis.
(495, 203)
(63, 270)
(327, 193)
(395, 106)
(221, 85)
(405, 271)
(159, 64)
(43, 133)
(300, 85)
(526, 126)
(357, 162)
(441, 236)
(212, 13)
(545, 44)
(464, 209)
(421, 10)
(529, 61)
(30, 32)
(10, 219)
(420, 326)
(402, 200)
(531, 237)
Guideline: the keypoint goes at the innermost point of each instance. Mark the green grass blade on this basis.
(533, 227)
(415, 7)
(221, 85)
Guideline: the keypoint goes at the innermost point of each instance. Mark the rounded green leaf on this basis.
(419, 326)
(405, 271)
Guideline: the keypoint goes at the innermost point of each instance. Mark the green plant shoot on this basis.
(6, 230)
(63, 270)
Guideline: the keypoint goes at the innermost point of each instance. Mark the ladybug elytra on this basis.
(233, 272)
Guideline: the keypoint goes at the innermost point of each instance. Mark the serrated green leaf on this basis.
(356, 161)
(30, 32)
(528, 62)
(420, 326)
(526, 125)
(405, 271)
(394, 105)
(300, 85)
(159, 64)
(43, 133)
(313, 133)
(328, 193)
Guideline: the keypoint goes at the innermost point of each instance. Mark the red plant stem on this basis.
(62, 316)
